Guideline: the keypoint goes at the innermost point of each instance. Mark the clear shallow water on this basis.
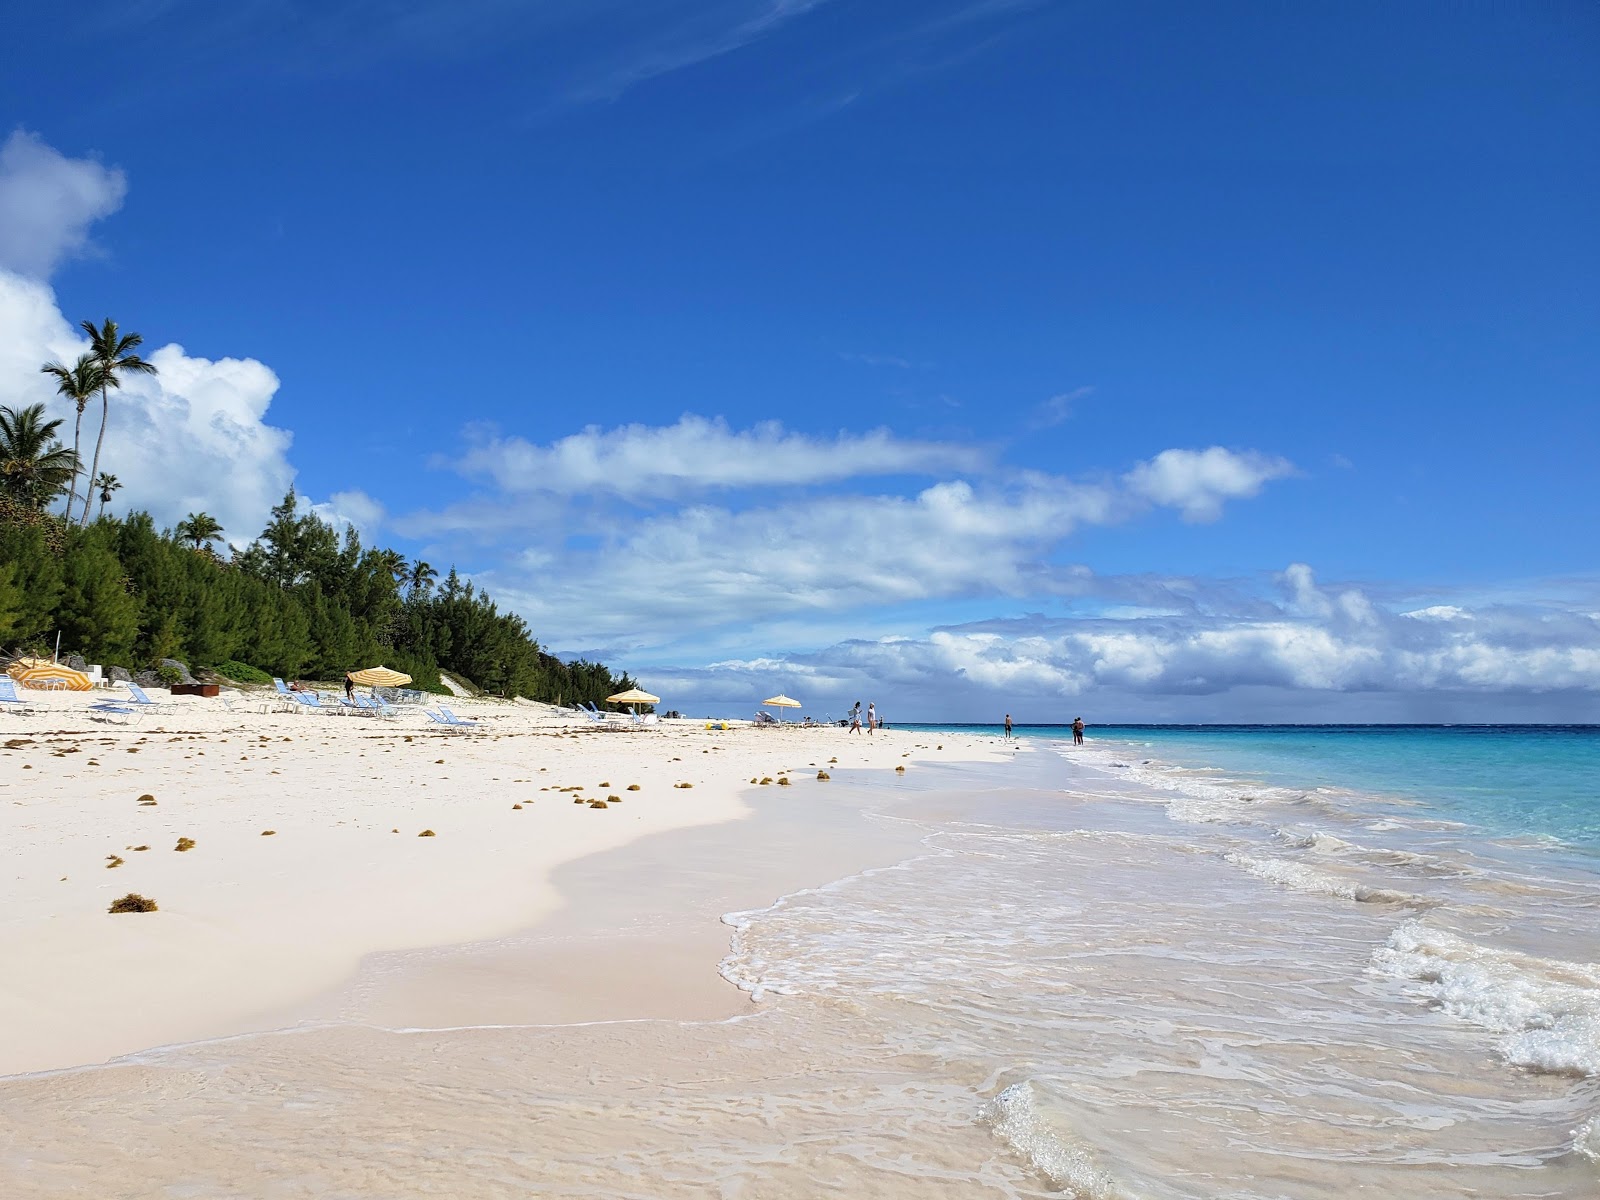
(1103, 975)
(1508, 779)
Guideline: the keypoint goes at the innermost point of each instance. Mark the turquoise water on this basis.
(1539, 780)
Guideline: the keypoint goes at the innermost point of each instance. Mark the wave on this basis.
(1299, 878)
(1546, 1012)
(1015, 1119)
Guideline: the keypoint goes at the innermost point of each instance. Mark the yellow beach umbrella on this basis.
(633, 696)
(44, 674)
(782, 701)
(380, 677)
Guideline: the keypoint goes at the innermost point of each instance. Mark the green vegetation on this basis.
(300, 601)
(241, 672)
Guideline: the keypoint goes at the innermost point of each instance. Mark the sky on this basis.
(1139, 361)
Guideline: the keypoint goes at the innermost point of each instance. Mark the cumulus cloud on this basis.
(1353, 658)
(192, 437)
(1197, 482)
(697, 454)
(48, 202)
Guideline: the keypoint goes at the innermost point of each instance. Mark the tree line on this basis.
(299, 601)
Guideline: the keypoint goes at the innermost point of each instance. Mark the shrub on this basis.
(241, 672)
(169, 675)
(132, 902)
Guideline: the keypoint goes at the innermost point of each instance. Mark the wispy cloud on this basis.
(698, 455)
(1058, 408)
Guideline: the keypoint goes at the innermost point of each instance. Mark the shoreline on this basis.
(255, 932)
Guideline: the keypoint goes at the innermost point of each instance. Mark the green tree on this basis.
(77, 383)
(34, 466)
(199, 529)
(113, 355)
(98, 614)
(11, 599)
(105, 484)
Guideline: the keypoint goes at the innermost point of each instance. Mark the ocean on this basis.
(1246, 961)
(1170, 964)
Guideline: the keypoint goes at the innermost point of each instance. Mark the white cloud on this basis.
(1196, 482)
(193, 437)
(1537, 662)
(640, 461)
(48, 202)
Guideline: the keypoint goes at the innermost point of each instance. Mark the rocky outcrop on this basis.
(118, 675)
(181, 668)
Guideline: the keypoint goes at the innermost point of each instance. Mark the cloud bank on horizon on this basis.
(924, 573)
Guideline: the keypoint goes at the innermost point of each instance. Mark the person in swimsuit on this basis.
(1077, 731)
(1008, 724)
(872, 717)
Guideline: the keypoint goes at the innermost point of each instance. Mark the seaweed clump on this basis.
(132, 902)
(633, 787)
(147, 799)
(184, 844)
(427, 833)
(823, 775)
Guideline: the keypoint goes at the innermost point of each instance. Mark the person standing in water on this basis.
(1077, 731)
(1008, 724)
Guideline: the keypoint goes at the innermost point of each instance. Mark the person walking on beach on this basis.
(855, 718)
(1077, 731)
(349, 687)
(872, 716)
(1008, 725)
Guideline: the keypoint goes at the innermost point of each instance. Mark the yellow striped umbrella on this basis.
(45, 675)
(380, 677)
(633, 696)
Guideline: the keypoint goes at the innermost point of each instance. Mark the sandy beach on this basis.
(310, 854)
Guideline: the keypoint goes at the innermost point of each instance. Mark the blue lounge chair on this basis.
(139, 696)
(310, 700)
(449, 720)
(10, 701)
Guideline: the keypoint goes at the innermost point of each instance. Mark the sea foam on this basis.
(1014, 1116)
(1546, 1012)
(1300, 878)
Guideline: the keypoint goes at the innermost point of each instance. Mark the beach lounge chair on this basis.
(312, 702)
(587, 714)
(765, 718)
(10, 701)
(450, 721)
(139, 698)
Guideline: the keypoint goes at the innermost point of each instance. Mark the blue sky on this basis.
(989, 354)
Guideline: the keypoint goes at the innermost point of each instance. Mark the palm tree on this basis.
(77, 383)
(113, 353)
(420, 581)
(34, 466)
(395, 563)
(107, 484)
(199, 528)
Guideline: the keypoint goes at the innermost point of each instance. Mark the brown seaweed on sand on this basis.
(132, 902)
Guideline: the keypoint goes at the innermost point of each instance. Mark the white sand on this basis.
(250, 925)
